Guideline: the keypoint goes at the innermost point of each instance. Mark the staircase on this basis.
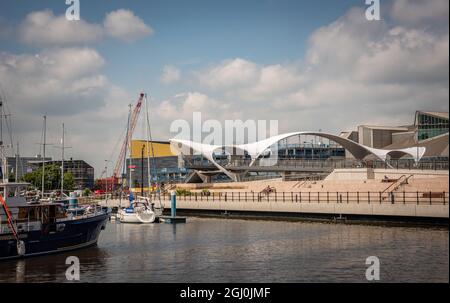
(395, 186)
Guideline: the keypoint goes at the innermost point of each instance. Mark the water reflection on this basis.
(221, 250)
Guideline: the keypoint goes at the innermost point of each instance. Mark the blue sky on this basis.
(307, 64)
(195, 33)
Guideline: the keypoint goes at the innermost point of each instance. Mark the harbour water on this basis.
(231, 250)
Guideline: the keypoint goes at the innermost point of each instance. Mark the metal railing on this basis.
(399, 197)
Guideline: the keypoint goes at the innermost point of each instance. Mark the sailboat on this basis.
(141, 209)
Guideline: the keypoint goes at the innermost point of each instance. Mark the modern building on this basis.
(164, 165)
(378, 136)
(24, 164)
(430, 130)
(430, 124)
(426, 139)
(256, 151)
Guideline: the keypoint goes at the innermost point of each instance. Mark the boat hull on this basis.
(68, 235)
(133, 217)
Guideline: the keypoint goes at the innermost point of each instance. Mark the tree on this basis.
(69, 181)
(52, 178)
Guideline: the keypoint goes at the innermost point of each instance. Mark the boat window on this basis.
(60, 213)
(33, 214)
(23, 213)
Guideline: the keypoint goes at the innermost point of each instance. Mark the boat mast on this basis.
(129, 148)
(43, 157)
(2, 147)
(149, 138)
(17, 163)
(147, 147)
(62, 161)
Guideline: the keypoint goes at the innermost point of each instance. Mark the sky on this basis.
(308, 64)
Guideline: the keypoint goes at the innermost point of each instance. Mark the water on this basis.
(221, 250)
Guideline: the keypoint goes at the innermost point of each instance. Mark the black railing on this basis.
(368, 197)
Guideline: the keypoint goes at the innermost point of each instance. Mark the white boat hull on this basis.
(136, 217)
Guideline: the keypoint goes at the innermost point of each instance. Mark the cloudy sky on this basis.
(308, 64)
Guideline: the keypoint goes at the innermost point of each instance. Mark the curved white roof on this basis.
(256, 149)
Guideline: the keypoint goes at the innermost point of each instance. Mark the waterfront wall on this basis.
(379, 173)
(331, 208)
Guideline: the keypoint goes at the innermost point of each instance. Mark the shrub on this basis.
(183, 192)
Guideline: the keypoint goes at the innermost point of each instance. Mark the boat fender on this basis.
(20, 248)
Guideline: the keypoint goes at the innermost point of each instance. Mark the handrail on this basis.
(438, 198)
(393, 184)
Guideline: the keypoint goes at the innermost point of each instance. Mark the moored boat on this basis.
(139, 211)
(38, 228)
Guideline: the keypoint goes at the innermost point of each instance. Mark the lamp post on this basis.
(106, 179)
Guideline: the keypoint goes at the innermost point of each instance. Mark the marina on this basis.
(224, 142)
(233, 250)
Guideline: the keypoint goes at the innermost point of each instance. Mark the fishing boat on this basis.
(32, 227)
(39, 228)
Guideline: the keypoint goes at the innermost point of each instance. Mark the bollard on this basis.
(173, 204)
(73, 202)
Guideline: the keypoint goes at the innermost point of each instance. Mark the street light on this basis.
(106, 178)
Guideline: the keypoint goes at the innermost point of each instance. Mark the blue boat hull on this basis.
(63, 236)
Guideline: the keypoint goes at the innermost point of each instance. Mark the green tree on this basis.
(69, 181)
(52, 178)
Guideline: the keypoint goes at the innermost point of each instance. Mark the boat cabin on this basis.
(27, 216)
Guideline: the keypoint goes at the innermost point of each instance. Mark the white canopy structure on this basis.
(257, 149)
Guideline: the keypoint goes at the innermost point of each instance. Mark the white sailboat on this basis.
(141, 209)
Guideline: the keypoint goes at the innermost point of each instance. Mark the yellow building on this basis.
(155, 149)
(164, 165)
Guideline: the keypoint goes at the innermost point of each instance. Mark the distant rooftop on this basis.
(436, 114)
(397, 128)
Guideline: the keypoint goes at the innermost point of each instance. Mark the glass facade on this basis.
(430, 126)
(166, 169)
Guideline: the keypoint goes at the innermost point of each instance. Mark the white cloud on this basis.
(56, 80)
(71, 91)
(182, 105)
(44, 28)
(230, 73)
(124, 25)
(170, 74)
(354, 71)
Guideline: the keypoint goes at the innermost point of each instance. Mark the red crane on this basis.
(130, 129)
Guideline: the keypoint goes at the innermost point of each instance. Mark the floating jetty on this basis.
(173, 218)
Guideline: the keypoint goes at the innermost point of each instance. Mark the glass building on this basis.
(431, 124)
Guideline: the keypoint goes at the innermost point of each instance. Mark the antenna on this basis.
(2, 148)
(43, 157)
(17, 163)
(63, 148)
